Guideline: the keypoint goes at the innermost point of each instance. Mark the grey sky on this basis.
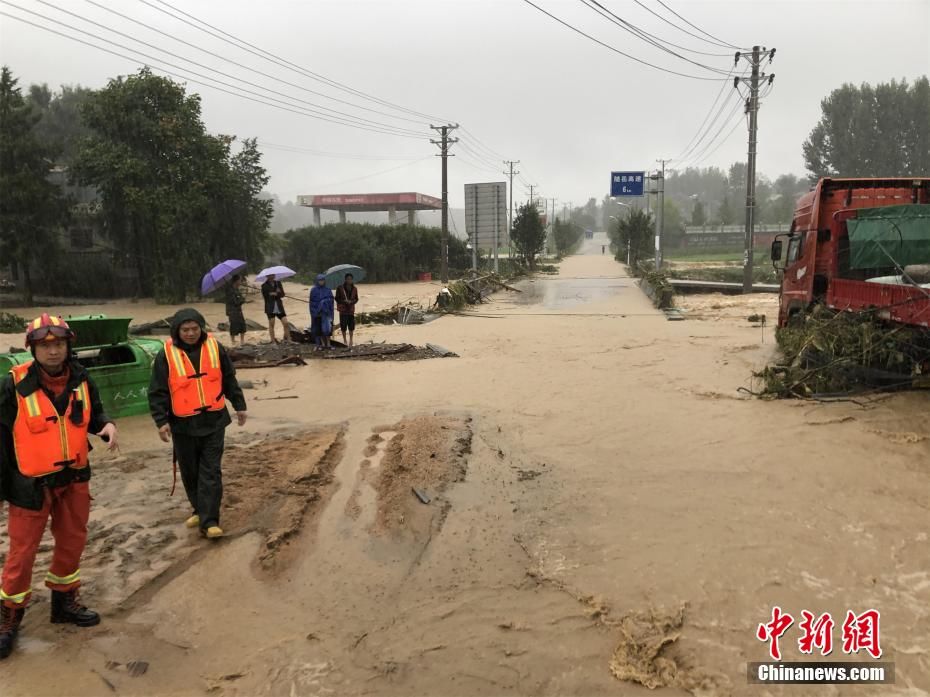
(525, 86)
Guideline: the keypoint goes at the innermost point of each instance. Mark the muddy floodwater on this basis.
(598, 511)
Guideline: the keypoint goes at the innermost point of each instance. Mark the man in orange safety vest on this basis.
(48, 406)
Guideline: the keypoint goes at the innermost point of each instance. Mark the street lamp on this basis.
(613, 217)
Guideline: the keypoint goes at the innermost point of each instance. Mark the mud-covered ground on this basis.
(607, 515)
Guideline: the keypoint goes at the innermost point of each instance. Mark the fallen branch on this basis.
(290, 360)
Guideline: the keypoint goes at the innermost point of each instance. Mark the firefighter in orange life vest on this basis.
(47, 408)
(191, 380)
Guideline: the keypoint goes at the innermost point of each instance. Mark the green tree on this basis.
(698, 215)
(60, 125)
(386, 252)
(725, 212)
(867, 131)
(567, 236)
(634, 236)
(673, 227)
(173, 200)
(31, 207)
(529, 235)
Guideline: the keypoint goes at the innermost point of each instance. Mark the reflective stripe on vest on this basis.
(44, 441)
(192, 392)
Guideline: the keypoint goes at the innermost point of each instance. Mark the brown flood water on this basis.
(603, 502)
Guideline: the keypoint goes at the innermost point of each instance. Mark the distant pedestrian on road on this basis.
(234, 302)
(346, 300)
(322, 309)
(603, 247)
(273, 293)
(192, 377)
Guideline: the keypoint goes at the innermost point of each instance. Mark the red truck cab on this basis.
(819, 267)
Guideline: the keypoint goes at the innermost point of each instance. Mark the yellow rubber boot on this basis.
(214, 532)
(193, 521)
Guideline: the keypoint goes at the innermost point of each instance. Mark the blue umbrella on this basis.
(219, 274)
(335, 275)
(279, 273)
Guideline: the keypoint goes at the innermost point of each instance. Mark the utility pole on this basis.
(511, 172)
(552, 224)
(444, 142)
(532, 186)
(660, 213)
(752, 108)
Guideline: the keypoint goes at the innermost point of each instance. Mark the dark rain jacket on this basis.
(273, 294)
(29, 492)
(207, 422)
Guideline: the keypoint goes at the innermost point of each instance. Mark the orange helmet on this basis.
(46, 328)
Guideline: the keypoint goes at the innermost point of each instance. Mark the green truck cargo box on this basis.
(120, 366)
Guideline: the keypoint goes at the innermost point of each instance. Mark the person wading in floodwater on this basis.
(346, 300)
(234, 302)
(191, 379)
(322, 309)
(273, 293)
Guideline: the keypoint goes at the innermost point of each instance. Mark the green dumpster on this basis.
(120, 366)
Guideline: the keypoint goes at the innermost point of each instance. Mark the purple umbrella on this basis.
(219, 274)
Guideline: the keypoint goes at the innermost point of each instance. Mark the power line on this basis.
(643, 32)
(373, 174)
(337, 155)
(727, 137)
(736, 104)
(273, 102)
(695, 26)
(700, 155)
(632, 29)
(335, 112)
(617, 50)
(273, 58)
(701, 127)
(722, 44)
(241, 65)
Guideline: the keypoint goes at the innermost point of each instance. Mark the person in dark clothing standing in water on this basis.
(192, 378)
(234, 302)
(346, 300)
(273, 293)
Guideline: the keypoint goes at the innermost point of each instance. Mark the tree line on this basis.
(386, 252)
(168, 199)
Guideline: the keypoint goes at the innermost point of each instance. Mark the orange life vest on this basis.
(192, 392)
(44, 441)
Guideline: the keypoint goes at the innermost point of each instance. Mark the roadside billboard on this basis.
(486, 215)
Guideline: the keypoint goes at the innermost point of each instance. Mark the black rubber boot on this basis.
(10, 619)
(66, 609)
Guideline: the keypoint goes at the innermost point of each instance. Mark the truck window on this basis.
(795, 245)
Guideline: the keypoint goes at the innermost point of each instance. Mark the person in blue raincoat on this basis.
(322, 311)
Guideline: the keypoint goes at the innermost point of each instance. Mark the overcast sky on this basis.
(521, 85)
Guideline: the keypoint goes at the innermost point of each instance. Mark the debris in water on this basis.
(421, 495)
(11, 324)
(831, 354)
(642, 656)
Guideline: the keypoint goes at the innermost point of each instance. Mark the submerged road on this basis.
(625, 518)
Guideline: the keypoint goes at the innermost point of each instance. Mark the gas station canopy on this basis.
(358, 203)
